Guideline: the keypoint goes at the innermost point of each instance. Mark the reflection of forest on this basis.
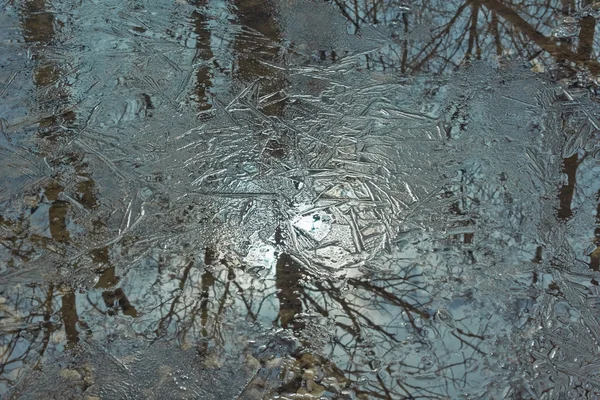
(375, 324)
(364, 318)
(40, 314)
(369, 325)
(361, 323)
(439, 36)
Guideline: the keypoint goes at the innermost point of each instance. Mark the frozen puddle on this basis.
(299, 199)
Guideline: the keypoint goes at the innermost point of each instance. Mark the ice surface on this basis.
(252, 199)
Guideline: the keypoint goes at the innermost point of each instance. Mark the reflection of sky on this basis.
(317, 225)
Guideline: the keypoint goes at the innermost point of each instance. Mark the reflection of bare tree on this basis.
(473, 30)
(199, 320)
(39, 317)
(372, 319)
(38, 29)
(25, 337)
(560, 50)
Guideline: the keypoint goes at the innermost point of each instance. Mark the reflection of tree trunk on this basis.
(206, 284)
(586, 37)
(58, 221)
(259, 16)
(473, 39)
(288, 276)
(374, 11)
(561, 53)
(566, 193)
(208, 281)
(204, 53)
(595, 256)
(496, 32)
(404, 44)
(48, 327)
(69, 317)
(38, 24)
(38, 29)
(567, 6)
(586, 34)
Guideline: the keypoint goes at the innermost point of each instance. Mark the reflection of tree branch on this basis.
(549, 45)
(372, 394)
(440, 35)
(480, 337)
(166, 320)
(384, 387)
(420, 390)
(342, 7)
(456, 364)
(393, 299)
(47, 324)
(351, 313)
(469, 344)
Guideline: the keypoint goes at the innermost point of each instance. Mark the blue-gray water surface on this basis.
(299, 199)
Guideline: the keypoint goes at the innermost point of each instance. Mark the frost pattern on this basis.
(196, 208)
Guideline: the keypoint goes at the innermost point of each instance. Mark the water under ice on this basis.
(299, 199)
